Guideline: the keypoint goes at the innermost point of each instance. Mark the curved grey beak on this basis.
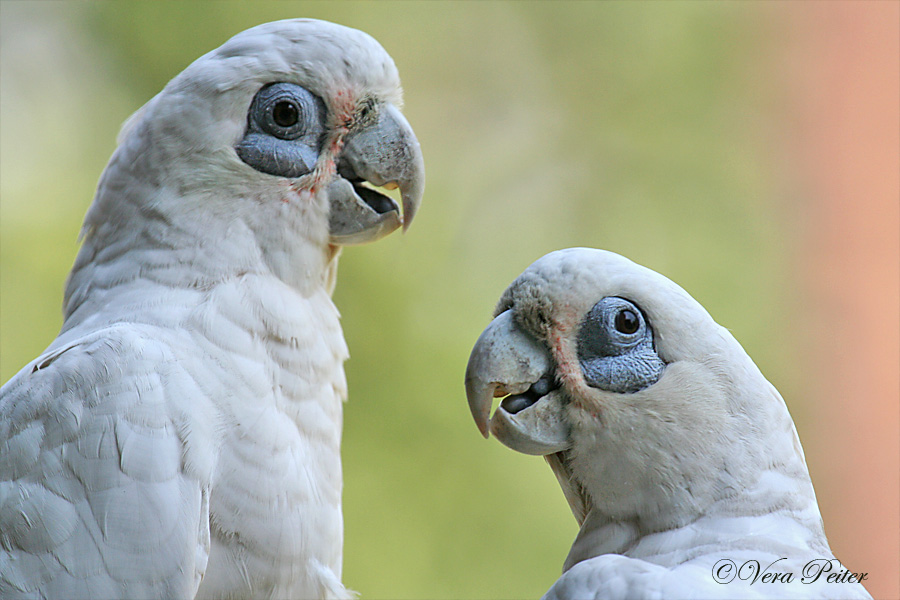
(506, 360)
(385, 154)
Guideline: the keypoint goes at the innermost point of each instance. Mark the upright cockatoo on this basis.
(181, 436)
(678, 459)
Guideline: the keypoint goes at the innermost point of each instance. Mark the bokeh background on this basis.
(749, 151)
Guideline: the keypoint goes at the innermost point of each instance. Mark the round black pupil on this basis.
(627, 321)
(285, 114)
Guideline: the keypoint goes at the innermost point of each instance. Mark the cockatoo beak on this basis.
(507, 361)
(385, 154)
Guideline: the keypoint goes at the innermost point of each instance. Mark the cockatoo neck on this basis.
(190, 230)
(778, 511)
(711, 469)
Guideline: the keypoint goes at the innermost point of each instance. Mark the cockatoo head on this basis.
(647, 410)
(283, 128)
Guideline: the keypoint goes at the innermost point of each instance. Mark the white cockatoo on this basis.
(677, 457)
(181, 437)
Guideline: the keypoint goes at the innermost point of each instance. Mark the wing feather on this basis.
(94, 496)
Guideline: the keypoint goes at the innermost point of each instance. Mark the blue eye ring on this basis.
(616, 348)
(286, 127)
(282, 110)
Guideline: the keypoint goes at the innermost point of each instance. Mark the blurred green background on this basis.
(656, 130)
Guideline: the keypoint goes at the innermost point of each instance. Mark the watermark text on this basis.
(753, 571)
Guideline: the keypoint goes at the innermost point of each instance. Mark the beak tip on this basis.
(482, 420)
(411, 195)
(479, 398)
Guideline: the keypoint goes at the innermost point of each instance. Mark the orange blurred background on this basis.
(845, 111)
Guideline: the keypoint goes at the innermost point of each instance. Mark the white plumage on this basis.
(181, 436)
(679, 460)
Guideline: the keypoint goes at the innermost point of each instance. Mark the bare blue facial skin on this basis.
(285, 131)
(615, 347)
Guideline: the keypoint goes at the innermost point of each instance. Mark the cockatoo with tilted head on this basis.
(677, 457)
(181, 437)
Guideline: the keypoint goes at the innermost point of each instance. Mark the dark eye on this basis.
(285, 130)
(627, 322)
(285, 113)
(616, 349)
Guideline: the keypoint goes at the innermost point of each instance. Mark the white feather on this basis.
(181, 436)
